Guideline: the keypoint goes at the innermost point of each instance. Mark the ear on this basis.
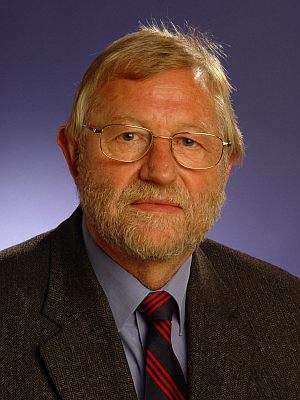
(229, 166)
(70, 150)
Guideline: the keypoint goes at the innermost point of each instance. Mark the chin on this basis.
(159, 244)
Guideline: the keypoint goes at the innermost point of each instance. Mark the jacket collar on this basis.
(85, 358)
(219, 348)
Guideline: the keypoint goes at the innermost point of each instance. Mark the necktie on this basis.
(164, 377)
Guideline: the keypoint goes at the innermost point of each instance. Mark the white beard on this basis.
(146, 235)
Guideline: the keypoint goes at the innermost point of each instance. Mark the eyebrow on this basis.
(200, 126)
(130, 119)
(126, 118)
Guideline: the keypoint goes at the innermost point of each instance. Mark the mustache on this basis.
(141, 190)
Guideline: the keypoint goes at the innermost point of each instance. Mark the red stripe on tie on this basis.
(162, 369)
(166, 326)
(159, 328)
(153, 301)
(151, 297)
(158, 383)
(155, 306)
(172, 393)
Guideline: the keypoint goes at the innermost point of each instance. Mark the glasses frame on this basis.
(99, 131)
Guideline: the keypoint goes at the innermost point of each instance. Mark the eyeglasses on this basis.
(129, 143)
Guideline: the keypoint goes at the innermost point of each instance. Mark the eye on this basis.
(187, 142)
(129, 136)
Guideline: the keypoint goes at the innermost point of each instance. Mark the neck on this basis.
(153, 274)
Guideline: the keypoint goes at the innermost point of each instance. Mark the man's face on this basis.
(152, 208)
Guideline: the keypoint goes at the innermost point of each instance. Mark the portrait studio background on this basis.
(47, 45)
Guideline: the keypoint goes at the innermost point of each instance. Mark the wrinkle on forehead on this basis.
(175, 99)
(172, 92)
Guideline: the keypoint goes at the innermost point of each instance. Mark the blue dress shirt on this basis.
(125, 293)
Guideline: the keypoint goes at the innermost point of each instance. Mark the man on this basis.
(150, 144)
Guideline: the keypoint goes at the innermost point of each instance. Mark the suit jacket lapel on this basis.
(219, 350)
(85, 358)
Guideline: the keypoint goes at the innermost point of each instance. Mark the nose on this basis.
(159, 165)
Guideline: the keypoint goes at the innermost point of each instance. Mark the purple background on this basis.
(47, 45)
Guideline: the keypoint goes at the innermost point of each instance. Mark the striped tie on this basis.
(164, 377)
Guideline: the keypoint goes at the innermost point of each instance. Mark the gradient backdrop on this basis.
(47, 45)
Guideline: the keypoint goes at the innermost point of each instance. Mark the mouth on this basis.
(155, 205)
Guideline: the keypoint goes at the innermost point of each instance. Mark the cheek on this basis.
(203, 181)
(120, 175)
(115, 174)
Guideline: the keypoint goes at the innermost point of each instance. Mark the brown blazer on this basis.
(58, 338)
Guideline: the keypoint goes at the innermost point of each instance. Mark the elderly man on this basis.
(127, 299)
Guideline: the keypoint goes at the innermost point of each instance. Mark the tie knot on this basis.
(158, 306)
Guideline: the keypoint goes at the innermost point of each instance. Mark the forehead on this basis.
(171, 97)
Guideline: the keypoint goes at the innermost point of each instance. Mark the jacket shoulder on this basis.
(23, 248)
(256, 284)
(226, 259)
(24, 269)
(264, 302)
(25, 251)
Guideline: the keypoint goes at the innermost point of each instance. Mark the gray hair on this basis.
(153, 49)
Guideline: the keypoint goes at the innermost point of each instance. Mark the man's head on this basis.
(149, 51)
(156, 206)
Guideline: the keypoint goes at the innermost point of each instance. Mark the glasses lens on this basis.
(197, 150)
(125, 142)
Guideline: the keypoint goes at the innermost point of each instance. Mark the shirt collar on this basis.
(123, 291)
